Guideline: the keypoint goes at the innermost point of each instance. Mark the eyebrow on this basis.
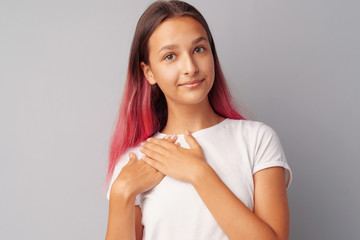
(173, 46)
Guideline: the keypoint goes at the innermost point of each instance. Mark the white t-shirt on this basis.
(236, 150)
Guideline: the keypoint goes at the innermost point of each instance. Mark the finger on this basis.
(162, 142)
(153, 163)
(154, 151)
(191, 140)
(153, 147)
(171, 138)
(132, 158)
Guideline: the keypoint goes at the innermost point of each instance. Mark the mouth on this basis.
(192, 84)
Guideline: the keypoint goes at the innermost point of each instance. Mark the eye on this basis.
(169, 57)
(199, 49)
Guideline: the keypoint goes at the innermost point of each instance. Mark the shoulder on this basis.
(249, 131)
(124, 158)
(121, 162)
(247, 127)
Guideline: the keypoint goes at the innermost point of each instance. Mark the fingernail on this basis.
(142, 144)
(148, 140)
(187, 132)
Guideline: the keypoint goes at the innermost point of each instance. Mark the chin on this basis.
(192, 97)
(195, 99)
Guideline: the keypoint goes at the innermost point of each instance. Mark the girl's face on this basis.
(180, 61)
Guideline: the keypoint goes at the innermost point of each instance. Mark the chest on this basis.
(232, 163)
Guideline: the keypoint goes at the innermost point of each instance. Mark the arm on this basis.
(270, 220)
(270, 217)
(121, 223)
(124, 217)
(124, 221)
(139, 228)
(121, 209)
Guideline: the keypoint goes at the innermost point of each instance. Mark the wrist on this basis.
(122, 191)
(200, 173)
(119, 203)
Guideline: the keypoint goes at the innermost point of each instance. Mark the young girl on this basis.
(184, 164)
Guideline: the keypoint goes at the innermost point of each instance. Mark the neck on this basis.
(192, 118)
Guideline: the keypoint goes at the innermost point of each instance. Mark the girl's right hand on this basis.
(137, 177)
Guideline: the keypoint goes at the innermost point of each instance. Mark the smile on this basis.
(192, 84)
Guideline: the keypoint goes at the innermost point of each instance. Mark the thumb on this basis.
(191, 140)
(132, 157)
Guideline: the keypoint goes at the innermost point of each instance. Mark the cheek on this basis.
(208, 67)
(166, 76)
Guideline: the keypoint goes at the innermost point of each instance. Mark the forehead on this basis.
(177, 30)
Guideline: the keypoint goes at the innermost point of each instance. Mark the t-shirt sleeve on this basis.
(124, 159)
(269, 152)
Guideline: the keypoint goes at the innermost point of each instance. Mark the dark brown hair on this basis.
(143, 110)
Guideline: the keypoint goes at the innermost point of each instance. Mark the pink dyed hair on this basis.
(143, 109)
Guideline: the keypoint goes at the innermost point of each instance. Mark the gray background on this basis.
(291, 64)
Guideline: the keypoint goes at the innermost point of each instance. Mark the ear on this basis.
(148, 73)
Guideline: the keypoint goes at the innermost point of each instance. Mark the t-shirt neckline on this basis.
(201, 131)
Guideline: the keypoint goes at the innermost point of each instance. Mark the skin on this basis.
(124, 217)
(189, 109)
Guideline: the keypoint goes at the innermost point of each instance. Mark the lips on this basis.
(191, 82)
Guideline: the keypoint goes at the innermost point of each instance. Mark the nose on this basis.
(190, 67)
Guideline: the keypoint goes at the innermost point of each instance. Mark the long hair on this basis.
(143, 109)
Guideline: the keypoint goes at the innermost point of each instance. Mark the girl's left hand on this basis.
(173, 160)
